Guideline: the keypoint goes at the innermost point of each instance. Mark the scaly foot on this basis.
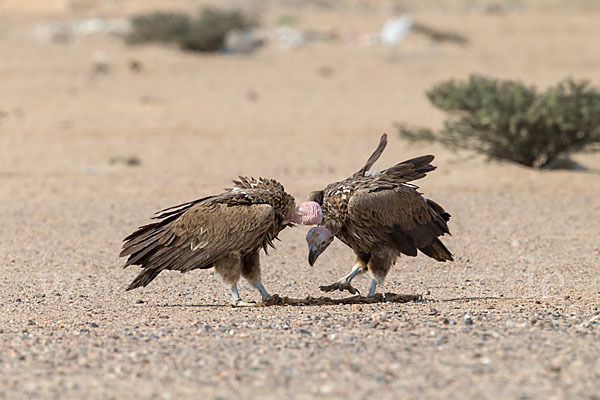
(241, 303)
(341, 286)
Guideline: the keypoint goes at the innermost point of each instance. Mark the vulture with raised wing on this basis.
(379, 215)
(224, 231)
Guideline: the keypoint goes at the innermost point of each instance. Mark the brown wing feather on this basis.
(402, 217)
(197, 236)
(387, 208)
(374, 157)
(223, 226)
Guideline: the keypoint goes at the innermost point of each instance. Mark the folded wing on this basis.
(195, 235)
(402, 217)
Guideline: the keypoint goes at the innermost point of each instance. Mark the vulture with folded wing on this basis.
(380, 216)
(224, 231)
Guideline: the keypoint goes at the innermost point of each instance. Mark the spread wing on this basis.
(401, 217)
(195, 235)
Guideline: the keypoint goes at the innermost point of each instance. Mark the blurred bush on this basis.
(507, 120)
(206, 32)
(158, 27)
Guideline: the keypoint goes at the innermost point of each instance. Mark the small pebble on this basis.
(94, 325)
(468, 319)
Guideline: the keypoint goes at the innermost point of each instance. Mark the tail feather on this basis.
(437, 251)
(144, 278)
(410, 170)
(425, 237)
(438, 209)
(152, 246)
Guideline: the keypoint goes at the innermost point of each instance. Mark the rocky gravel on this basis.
(516, 315)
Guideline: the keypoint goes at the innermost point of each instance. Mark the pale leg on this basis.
(236, 301)
(373, 287)
(263, 292)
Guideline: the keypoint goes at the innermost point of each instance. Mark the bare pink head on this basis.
(307, 213)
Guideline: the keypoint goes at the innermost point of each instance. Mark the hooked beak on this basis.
(313, 254)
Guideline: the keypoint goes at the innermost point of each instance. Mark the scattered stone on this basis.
(135, 65)
(433, 311)
(325, 71)
(139, 301)
(395, 30)
(50, 32)
(100, 65)
(99, 25)
(243, 41)
(53, 31)
(303, 331)
(468, 319)
(130, 161)
(94, 325)
(40, 295)
(89, 169)
(252, 96)
(288, 37)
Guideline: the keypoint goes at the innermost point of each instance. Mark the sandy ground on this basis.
(526, 242)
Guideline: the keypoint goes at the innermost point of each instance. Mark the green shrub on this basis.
(206, 32)
(159, 27)
(507, 120)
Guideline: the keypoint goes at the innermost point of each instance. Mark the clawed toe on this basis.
(329, 288)
(341, 286)
(241, 303)
(272, 300)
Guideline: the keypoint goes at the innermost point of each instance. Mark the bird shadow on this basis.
(194, 305)
(310, 301)
(467, 299)
(276, 300)
(328, 301)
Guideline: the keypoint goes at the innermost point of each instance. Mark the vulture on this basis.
(380, 216)
(224, 231)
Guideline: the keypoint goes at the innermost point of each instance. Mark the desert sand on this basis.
(514, 316)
